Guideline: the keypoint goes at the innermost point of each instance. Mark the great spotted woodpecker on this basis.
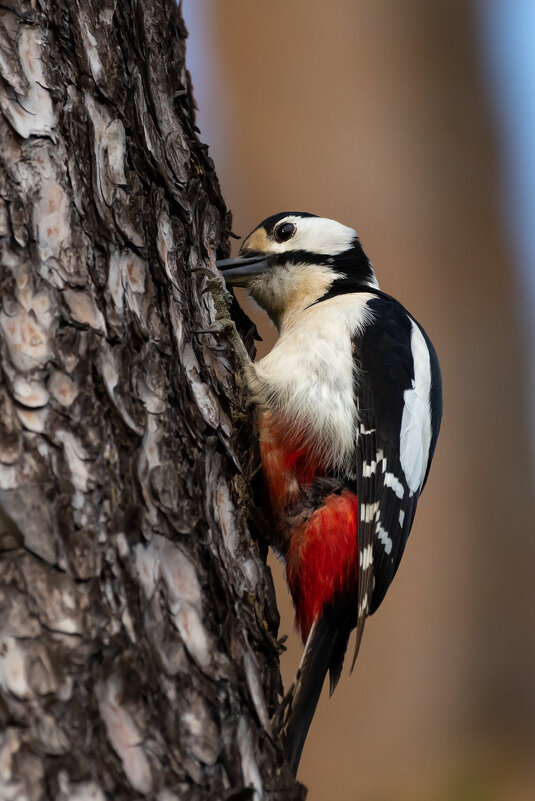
(349, 407)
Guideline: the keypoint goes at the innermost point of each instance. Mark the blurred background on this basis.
(413, 122)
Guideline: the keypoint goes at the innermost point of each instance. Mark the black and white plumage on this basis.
(399, 410)
(350, 405)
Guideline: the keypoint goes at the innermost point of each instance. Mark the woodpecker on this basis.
(349, 407)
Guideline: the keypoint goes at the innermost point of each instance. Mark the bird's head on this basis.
(294, 259)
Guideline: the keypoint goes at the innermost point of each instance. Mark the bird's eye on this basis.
(284, 232)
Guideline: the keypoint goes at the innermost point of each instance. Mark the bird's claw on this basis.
(281, 717)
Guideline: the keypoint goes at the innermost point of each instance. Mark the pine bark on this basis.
(138, 651)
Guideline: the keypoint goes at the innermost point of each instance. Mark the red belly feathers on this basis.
(321, 550)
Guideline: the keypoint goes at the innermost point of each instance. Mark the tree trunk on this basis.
(138, 651)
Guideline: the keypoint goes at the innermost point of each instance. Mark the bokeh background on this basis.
(413, 122)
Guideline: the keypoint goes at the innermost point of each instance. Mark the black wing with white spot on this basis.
(399, 402)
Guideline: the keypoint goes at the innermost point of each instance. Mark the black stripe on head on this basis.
(300, 257)
(338, 263)
(356, 269)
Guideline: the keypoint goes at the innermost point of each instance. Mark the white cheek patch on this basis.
(415, 434)
(316, 235)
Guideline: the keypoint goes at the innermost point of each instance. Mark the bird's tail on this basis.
(324, 651)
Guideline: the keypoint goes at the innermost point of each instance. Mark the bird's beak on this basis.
(238, 272)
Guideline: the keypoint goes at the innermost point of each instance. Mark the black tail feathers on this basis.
(324, 651)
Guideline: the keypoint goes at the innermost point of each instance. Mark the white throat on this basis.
(286, 290)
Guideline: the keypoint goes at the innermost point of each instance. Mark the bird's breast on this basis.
(308, 381)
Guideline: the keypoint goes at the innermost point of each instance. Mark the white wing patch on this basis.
(415, 435)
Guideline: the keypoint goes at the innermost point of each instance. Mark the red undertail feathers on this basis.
(322, 558)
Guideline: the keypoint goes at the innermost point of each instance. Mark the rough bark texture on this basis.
(137, 619)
